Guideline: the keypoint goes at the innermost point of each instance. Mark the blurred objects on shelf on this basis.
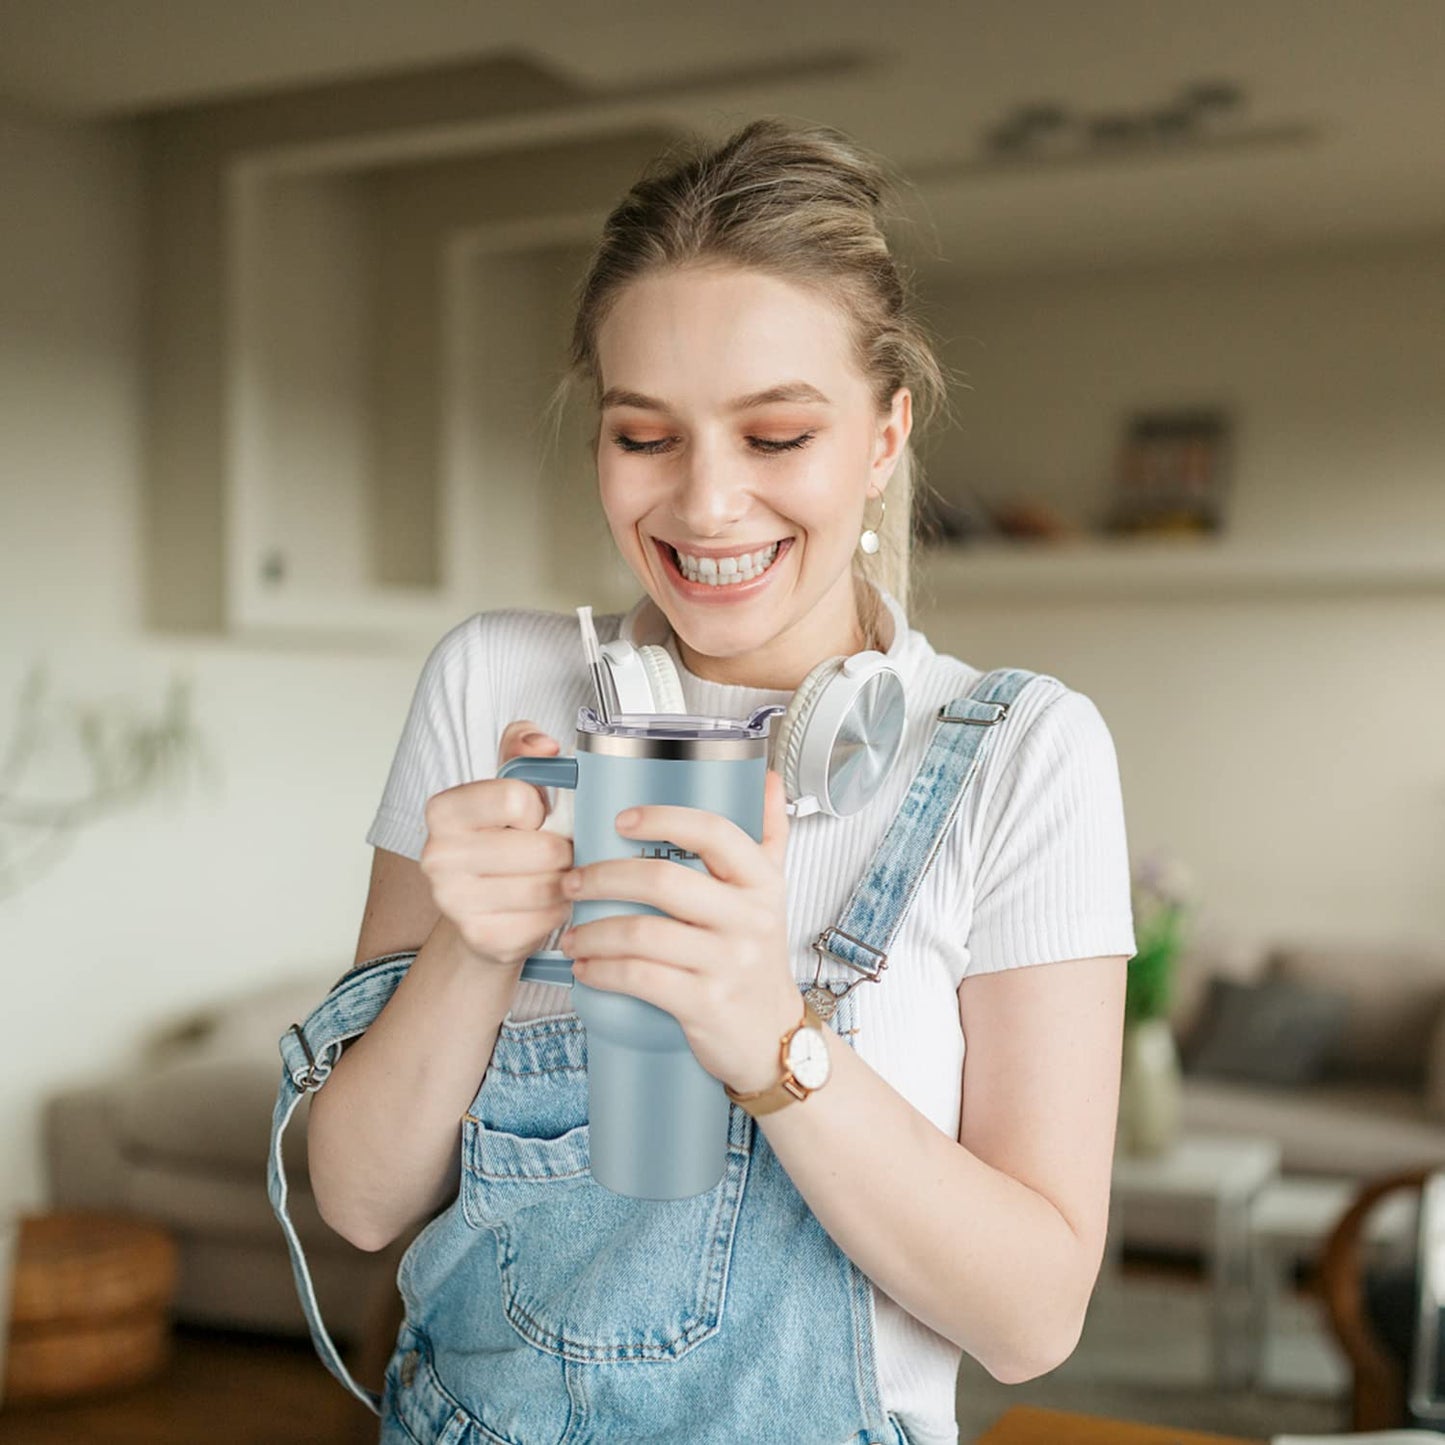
(945, 520)
(1172, 475)
(964, 517)
(1033, 520)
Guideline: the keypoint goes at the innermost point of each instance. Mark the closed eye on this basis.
(761, 444)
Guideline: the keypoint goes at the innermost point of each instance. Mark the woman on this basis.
(750, 350)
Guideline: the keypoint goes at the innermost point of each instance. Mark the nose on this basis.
(710, 495)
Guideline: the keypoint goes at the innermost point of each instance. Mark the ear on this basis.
(893, 431)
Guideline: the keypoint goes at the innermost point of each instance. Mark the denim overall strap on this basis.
(308, 1052)
(877, 907)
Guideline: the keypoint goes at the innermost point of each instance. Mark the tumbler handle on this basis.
(551, 965)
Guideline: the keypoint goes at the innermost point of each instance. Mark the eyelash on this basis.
(768, 448)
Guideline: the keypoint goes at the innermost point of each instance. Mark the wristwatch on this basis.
(805, 1064)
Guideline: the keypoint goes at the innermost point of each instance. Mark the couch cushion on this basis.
(1272, 1032)
(1395, 996)
(1209, 953)
(209, 1113)
(1340, 1129)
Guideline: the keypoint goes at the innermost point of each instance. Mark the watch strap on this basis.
(787, 1089)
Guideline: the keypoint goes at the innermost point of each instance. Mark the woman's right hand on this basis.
(495, 873)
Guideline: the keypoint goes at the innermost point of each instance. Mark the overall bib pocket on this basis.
(586, 1273)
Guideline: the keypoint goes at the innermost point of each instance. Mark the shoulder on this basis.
(1052, 727)
(508, 636)
(1044, 700)
(515, 662)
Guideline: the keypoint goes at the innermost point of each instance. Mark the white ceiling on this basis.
(1365, 78)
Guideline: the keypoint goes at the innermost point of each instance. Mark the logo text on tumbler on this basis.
(665, 850)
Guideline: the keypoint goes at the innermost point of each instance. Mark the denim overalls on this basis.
(542, 1309)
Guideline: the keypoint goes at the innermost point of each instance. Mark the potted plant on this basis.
(127, 758)
(1151, 1081)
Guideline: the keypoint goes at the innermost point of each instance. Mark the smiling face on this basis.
(733, 419)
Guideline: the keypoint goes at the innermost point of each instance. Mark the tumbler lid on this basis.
(679, 724)
(676, 734)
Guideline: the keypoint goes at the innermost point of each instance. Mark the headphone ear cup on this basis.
(663, 678)
(643, 678)
(788, 740)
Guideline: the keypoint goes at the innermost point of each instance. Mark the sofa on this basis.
(182, 1137)
(1370, 1099)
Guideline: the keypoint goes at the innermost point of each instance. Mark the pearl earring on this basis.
(868, 542)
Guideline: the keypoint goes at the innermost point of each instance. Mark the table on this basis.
(1290, 1219)
(1030, 1425)
(1214, 1178)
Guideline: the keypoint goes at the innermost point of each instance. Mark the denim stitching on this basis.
(697, 1326)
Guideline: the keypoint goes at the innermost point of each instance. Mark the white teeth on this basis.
(726, 571)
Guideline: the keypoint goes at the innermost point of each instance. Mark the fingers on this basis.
(531, 894)
(726, 850)
(643, 937)
(681, 892)
(775, 818)
(493, 869)
(524, 738)
(509, 852)
(507, 938)
(495, 802)
(488, 803)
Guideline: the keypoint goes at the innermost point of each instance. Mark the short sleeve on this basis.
(1053, 879)
(450, 706)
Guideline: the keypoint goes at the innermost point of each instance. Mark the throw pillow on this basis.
(1395, 991)
(1271, 1032)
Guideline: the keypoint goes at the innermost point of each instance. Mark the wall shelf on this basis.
(1134, 567)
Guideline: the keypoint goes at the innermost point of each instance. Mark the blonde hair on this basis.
(804, 204)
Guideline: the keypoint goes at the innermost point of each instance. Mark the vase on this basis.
(1150, 1085)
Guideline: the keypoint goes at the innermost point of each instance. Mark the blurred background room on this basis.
(284, 290)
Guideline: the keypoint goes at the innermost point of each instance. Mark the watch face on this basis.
(808, 1057)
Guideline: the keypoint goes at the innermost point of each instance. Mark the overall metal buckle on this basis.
(312, 1079)
(820, 945)
(982, 722)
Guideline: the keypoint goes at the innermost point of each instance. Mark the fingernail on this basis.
(627, 817)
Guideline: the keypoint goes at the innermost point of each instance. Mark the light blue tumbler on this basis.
(658, 1120)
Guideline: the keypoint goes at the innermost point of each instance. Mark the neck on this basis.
(783, 662)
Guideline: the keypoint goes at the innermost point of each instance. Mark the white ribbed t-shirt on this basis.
(1034, 867)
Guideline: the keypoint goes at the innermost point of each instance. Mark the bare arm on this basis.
(384, 1134)
(998, 1241)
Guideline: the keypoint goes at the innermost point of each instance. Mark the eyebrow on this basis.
(794, 391)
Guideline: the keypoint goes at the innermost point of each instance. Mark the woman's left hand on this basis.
(718, 963)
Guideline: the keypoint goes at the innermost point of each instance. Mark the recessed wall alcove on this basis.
(354, 335)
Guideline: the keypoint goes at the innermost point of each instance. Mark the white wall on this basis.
(166, 905)
(1290, 748)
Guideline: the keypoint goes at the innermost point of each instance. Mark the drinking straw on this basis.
(594, 661)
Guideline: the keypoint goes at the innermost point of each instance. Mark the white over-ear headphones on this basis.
(834, 744)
